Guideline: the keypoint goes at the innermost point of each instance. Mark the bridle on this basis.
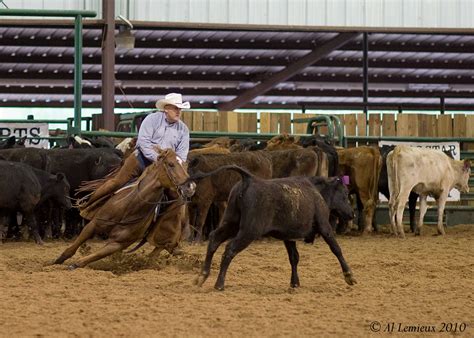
(176, 185)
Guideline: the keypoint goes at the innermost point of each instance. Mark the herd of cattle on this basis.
(38, 185)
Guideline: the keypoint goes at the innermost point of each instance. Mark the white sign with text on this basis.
(452, 147)
(30, 130)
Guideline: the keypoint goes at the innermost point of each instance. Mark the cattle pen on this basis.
(282, 89)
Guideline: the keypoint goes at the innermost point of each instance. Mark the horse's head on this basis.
(174, 176)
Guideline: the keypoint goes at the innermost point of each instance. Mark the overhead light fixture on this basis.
(124, 39)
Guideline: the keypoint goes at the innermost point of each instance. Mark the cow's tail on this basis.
(392, 174)
(246, 176)
(374, 189)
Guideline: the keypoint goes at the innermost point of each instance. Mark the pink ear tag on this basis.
(345, 180)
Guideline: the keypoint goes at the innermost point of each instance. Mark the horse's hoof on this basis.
(59, 260)
(177, 252)
(349, 278)
(219, 287)
(199, 281)
(73, 267)
(295, 285)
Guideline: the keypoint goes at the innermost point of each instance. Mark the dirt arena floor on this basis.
(417, 285)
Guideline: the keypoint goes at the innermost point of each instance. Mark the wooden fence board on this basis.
(232, 122)
(210, 121)
(445, 126)
(374, 125)
(265, 122)
(285, 122)
(361, 125)
(300, 128)
(187, 118)
(388, 125)
(222, 121)
(459, 125)
(228, 121)
(350, 124)
(197, 121)
(469, 131)
(427, 126)
(269, 122)
(247, 122)
(407, 125)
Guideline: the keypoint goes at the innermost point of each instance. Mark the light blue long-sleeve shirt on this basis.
(155, 130)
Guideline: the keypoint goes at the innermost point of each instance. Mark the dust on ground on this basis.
(420, 281)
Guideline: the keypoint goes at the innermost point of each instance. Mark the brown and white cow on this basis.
(426, 172)
(362, 165)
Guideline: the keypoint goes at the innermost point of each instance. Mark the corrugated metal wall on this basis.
(378, 13)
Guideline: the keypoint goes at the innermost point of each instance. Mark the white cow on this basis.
(426, 172)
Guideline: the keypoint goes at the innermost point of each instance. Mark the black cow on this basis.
(34, 157)
(287, 209)
(101, 142)
(326, 146)
(12, 142)
(335, 195)
(25, 188)
(76, 142)
(81, 165)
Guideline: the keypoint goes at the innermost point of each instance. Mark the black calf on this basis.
(287, 209)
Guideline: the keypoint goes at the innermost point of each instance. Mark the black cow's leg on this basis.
(232, 248)
(33, 225)
(3, 227)
(294, 259)
(216, 238)
(328, 236)
(412, 209)
(85, 234)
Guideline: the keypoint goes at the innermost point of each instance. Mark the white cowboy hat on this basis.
(173, 99)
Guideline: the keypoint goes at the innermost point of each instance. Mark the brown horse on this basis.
(128, 215)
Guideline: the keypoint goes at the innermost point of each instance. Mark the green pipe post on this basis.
(338, 127)
(77, 74)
